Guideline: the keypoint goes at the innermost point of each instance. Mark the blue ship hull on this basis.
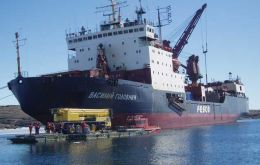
(38, 95)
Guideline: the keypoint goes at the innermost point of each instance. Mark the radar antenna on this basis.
(164, 18)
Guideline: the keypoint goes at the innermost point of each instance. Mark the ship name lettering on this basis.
(203, 109)
(125, 97)
(101, 95)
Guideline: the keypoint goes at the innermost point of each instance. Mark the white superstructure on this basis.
(128, 46)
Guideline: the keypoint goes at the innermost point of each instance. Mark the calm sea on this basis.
(234, 144)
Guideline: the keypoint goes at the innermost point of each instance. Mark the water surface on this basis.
(236, 144)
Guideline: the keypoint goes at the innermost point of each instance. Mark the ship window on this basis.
(134, 41)
(131, 30)
(153, 51)
(120, 32)
(109, 45)
(125, 31)
(124, 53)
(85, 38)
(105, 35)
(90, 38)
(115, 33)
(158, 73)
(153, 71)
(70, 41)
(139, 51)
(75, 40)
(80, 39)
(123, 43)
(110, 34)
(100, 36)
(95, 36)
(136, 51)
(152, 61)
(157, 62)
(141, 29)
(159, 52)
(136, 30)
(152, 30)
(88, 49)
(240, 88)
(114, 66)
(137, 62)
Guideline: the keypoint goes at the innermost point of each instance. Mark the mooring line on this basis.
(6, 97)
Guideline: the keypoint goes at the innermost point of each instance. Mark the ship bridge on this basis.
(128, 46)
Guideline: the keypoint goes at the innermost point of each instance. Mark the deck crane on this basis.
(183, 40)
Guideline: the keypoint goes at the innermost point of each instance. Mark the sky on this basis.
(232, 28)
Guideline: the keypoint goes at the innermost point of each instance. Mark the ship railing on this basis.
(125, 25)
(23, 74)
(53, 73)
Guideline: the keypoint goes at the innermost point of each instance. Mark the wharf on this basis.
(58, 137)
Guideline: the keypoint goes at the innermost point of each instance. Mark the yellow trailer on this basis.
(76, 115)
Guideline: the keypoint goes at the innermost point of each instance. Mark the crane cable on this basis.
(179, 30)
(205, 50)
(206, 34)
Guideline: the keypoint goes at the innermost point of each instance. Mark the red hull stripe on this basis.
(171, 120)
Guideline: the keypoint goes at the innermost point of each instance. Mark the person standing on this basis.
(30, 128)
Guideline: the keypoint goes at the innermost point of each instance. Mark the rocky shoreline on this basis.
(12, 116)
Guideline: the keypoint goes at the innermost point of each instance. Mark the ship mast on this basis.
(18, 54)
(113, 5)
(114, 17)
(140, 12)
(17, 45)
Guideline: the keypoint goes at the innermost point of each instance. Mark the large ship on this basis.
(127, 67)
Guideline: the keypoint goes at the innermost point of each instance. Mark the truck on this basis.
(95, 118)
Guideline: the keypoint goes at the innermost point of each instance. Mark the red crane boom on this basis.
(183, 40)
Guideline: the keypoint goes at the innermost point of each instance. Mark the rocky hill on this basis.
(12, 116)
